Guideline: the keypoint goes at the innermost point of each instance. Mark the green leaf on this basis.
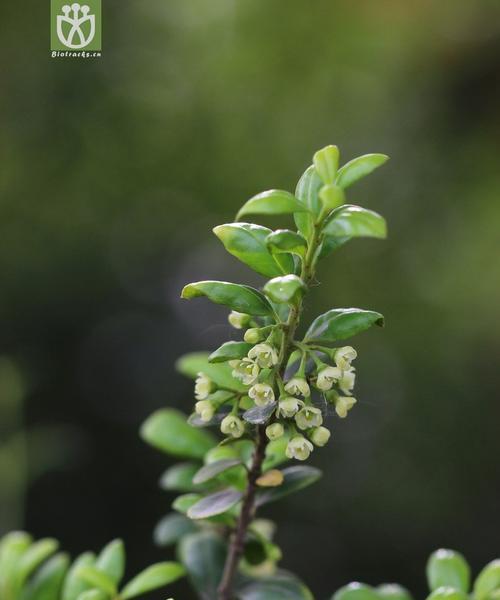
(247, 242)
(393, 591)
(284, 240)
(203, 555)
(214, 504)
(258, 415)
(326, 162)
(281, 586)
(152, 578)
(12, 548)
(93, 595)
(97, 579)
(284, 289)
(271, 202)
(179, 477)
(34, 556)
(167, 430)
(330, 244)
(446, 568)
(295, 478)
(184, 502)
(241, 298)
(171, 529)
(307, 192)
(354, 221)
(73, 585)
(48, 580)
(447, 593)
(197, 362)
(342, 323)
(332, 196)
(208, 472)
(355, 591)
(275, 453)
(111, 561)
(230, 351)
(359, 167)
(487, 581)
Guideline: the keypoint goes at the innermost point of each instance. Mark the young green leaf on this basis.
(281, 586)
(284, 240)
(326, 162)
(307, 192)
(241, 298)
(330, 244)
(93, 595)
(230, 351)
(168, 430)
(214, 504)
(203, 555)
(271, 202)
(487, 581)
(359, 167)
(355, 591)
(247, 242)
(447, 568)
(152, 578)
(179, 477)
(34, 556)
(393, 591)
(295, 479)
(258, 415)
(354, 221)
(171, 529)
(12, 548)
(184, 502)
(342, 323)
(73, 585)
(111, 560)
(97, 579)
(197, 362)
(284, 289)
(208, 472)
(47, 582)
(331, 196)
(447, 593)
(276, 453)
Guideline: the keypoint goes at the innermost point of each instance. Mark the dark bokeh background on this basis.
(112, 173)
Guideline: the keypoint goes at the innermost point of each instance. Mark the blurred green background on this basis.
(113, 171)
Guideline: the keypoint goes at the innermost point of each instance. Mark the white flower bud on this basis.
(275, 431)
(265, 355)
(253, 335)
(327, 377)
(288, 406)
(232, 426)
(238, 320)
(343, 404)
(246, 370)
(298, 387)
(203, 386)
(261, 394)
(346, 382)
(298, 447)
(308, 417)
(344, 356)
(205, 409)
(320, 436)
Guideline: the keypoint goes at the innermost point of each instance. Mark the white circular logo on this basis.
(76, 26)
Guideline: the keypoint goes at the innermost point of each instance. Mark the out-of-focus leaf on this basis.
(111, 561)
(258, 415)
(247, 242)
(229, 351)
(307, 192)
(208, 472)
(295, 478)
(447, 593)
(447, 568)
(393, 591)
(285, 288)
(171, 529)
(197, 362)
(97, 579)
(284, 240)
(487, 581)
(214, 504)
(74, 585)
(342, 323)
(152, 578)
(355, 591)
(34, 556)
(168, 430)
(47, 582)
(93, 595)
(272, 478)
(203, 555)
(241, 298)
(353, 221)
(272, 202)
(326, 162)
(281, 586)
(179, 477)
(12, 548)
(359, 167)
(275, 453)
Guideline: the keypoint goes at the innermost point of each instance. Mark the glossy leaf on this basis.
(307, 192)
(354, 221)
(230, 351)
(247, 242)
(93, 595)
(393, 591)
(208, 472)
(284, 289)
(330, 244)
(74, 585)
(214, 504)
(111, 561)
(295, 478)
(258, 415)
(168, 430)
(342, 323)
(241, 298)
(446, 568)
(203, 555)
(171, 529)
(272, 202)
(331, 196)
(152, 578)
(284, 240)
(34, 556)
(487, 581)
(359, 167)
(356, 591)
(97, 579)
(326, 163)
(179, 477)
(47, 582)
(184, 502)
(281, 586)
(12, 548)
(197, 362)
(447, 593)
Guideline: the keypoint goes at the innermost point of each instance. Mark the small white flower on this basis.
(246, 370)
(265, 355)
(298, 387)
(275, 431)
(288, 406)
(238, 320)
(346, 382)
(202, 386)
(232, 426)
(343, 405)
(344, 356)
(261, 394)
(308, 417)
(320, 436)
(299, 448)
(205, 409)
(327, 377)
